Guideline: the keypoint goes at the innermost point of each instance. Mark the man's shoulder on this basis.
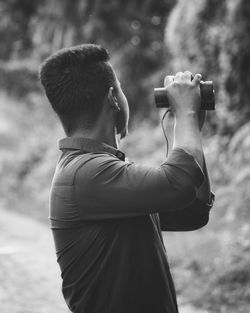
(70, 164)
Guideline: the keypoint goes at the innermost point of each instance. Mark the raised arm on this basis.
(195, 215)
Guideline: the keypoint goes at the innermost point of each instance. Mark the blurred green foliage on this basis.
(147, 39)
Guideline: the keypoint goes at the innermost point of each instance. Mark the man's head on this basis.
(78, 82)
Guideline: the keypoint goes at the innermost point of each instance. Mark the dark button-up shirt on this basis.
(106, 216)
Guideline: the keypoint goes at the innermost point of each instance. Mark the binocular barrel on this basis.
(207, 96)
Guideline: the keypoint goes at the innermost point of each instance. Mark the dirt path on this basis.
(29, 275)
(30, 280)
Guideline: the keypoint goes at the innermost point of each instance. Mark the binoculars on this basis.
(207, 96)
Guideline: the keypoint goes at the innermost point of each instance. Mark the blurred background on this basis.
(147, 39)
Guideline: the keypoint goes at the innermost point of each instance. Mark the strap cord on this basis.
(163, 129)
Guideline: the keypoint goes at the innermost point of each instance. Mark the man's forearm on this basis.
(187, 135)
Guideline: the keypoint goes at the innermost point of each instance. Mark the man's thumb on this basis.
(197, 79)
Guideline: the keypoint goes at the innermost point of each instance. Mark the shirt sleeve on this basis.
(193, 217)
(106, 187)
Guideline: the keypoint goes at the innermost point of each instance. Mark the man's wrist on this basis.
(187, 117)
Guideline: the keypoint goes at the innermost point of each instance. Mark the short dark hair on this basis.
(75, 80)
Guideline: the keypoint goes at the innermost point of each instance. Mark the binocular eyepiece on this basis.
(207, 96)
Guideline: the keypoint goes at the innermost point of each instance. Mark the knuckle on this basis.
(198, 76)
(178, 74)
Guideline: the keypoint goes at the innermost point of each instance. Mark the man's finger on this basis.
(178, 76)
(197, 79)
(187, 75)
(168, 80)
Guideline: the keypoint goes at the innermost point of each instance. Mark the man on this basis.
(107, 213)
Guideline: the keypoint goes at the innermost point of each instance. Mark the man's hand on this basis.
(169, 80)
(183, 94)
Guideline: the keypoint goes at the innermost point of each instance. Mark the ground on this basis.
(29, 275)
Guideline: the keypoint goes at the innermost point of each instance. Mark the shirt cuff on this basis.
(211, 203)
(207, 206)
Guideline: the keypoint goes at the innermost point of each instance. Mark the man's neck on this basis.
(109, 138)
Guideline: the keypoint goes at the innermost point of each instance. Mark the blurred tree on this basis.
(212, 38)
(132, 31)
(15, 32)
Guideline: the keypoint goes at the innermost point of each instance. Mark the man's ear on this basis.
(113, 100)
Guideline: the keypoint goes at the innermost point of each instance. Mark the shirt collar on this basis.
(88, 145)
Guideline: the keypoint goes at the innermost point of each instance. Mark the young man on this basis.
(107, 214)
